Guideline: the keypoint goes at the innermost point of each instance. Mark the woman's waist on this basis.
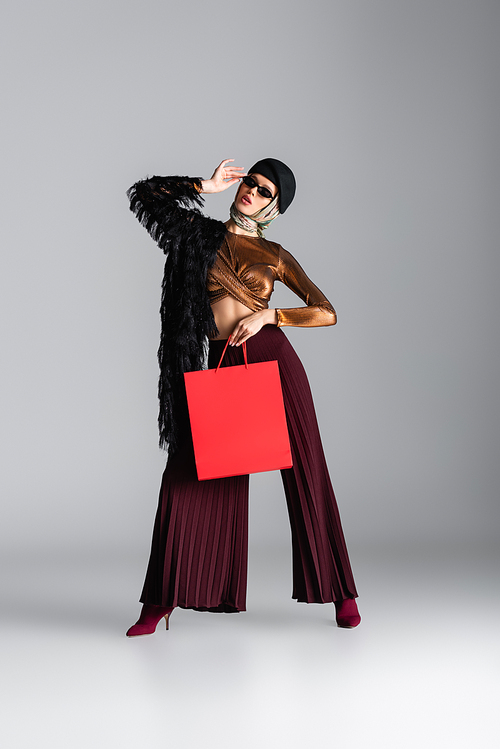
(228, 312)
(268, 344)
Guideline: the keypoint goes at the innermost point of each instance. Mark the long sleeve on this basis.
(168, 207)
(318, 311)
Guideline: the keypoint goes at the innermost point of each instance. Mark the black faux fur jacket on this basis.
(168, 208)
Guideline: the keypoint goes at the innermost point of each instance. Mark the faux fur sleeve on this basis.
(168, 207)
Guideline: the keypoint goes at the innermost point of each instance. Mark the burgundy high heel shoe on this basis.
(149, 618)
(346, 613)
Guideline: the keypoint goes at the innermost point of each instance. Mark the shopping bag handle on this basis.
(244, 354)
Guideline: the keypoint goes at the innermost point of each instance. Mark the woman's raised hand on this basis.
(223, 177)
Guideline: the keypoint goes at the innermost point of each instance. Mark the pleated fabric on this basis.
(199, 548)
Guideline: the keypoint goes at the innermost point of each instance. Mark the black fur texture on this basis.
(168, 207)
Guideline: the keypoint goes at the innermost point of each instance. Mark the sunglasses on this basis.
(251, 183)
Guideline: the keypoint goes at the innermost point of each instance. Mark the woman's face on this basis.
(248, 200)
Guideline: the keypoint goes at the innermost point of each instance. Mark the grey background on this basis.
(388, 112)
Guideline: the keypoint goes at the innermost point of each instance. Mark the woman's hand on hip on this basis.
(223, 177)
(249, 326)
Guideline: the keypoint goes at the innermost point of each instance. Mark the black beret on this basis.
(280, 175)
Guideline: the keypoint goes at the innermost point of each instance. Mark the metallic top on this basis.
(246, 269)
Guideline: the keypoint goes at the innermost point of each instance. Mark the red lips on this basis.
(246, 199)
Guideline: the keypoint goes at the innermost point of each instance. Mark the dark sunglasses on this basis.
(251, 183)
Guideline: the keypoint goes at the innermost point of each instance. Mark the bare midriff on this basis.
(227, 313)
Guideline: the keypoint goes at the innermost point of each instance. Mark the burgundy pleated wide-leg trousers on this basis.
(200, 539)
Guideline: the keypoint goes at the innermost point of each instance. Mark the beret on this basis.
(280, 175)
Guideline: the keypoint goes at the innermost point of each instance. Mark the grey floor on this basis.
(420, 671)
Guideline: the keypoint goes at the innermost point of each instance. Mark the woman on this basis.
(217, 285)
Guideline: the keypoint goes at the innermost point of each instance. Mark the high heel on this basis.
(347, 614)
(149, 618)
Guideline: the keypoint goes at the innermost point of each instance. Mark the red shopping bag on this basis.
(237, 419)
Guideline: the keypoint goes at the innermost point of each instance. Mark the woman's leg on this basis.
(321, 568)
(200, 539)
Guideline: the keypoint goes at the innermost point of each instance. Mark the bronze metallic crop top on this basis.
(246, 269)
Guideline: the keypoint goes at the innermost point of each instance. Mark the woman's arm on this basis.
(318, 311)
(168, 207)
